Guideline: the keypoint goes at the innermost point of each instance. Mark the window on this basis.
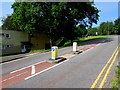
(7, 46)
(2, 47)
(7, 35)
(1, 34)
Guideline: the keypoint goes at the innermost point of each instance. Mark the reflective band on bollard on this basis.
(54, 52)
(74, 46)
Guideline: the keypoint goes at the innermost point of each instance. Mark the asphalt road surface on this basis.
(79, 71)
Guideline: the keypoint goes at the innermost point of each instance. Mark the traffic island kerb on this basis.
(77, 52)
(57, 60)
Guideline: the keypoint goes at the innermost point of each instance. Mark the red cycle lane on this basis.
(15, 77)
(19, 75)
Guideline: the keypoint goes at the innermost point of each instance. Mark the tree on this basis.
(81, 31)
(92, 31)
(106, 28)
(110, 28)
(117, 26)
(8, 24)
(55, 19)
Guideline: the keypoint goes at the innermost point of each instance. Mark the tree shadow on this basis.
(94, 41)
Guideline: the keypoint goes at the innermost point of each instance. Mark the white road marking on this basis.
(52, 66)
(90, 48)
(33, 69)
(45, 70)
(13, 77)
(27, 66)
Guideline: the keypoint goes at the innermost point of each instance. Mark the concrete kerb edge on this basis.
(57, 60)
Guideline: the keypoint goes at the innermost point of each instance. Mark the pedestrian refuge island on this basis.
(55, 58)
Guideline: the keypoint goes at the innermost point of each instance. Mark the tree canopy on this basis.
(106, 28)
(55, 19)
(92, 31)
(7, 23)
(117, 26)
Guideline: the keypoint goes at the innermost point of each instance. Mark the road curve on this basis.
(79, 71)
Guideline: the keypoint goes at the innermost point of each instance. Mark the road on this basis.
(32, 59)
(78, 71)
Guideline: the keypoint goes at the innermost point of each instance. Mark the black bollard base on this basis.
(57, 60)
(77, 52)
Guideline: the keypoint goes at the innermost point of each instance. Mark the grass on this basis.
(80, 40)
(116, 81)
(68, 43)
(42, 50)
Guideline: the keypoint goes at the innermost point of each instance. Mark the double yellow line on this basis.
(109, 65)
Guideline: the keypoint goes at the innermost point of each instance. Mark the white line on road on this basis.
(54, 66)
(89, 49)
(33, 69)
(13, 76)
(45, 70)
(27, 66)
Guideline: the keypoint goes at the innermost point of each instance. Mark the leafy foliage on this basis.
(81, 31)
(117, 26)
(92, 31)
(55, 19)
(106, 28)
(8, 24)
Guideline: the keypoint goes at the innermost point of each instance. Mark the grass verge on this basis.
(42, 50)
(80, 40)
(116, 81)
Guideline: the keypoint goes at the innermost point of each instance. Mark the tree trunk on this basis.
(29, 39)
(71, 42)
(51, 42)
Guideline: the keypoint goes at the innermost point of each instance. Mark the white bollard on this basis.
(74, 46)
(54, 52)
(33, 69)
(96, 33)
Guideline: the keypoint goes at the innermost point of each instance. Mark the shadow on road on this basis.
(11, 58)
(99, 40)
